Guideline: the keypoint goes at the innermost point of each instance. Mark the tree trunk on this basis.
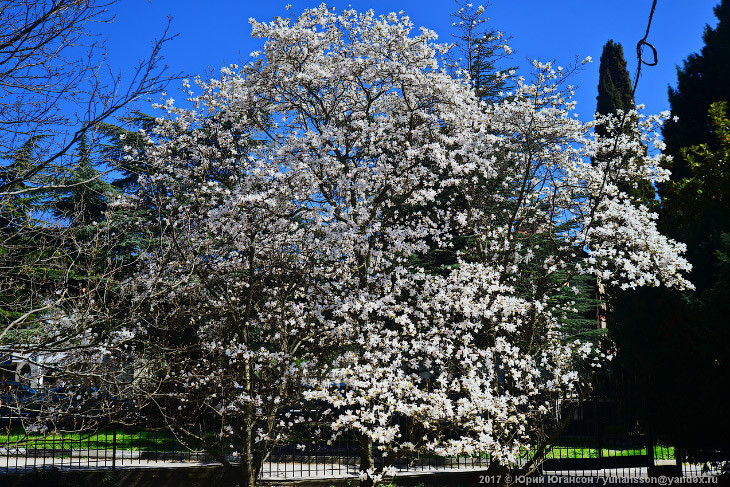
(367, 460)
(247, 467)
(261, 453)
(497, 474)
(247, 477)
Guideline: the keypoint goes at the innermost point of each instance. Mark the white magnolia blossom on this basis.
(301, 194)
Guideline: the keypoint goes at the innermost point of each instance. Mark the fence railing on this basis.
(115, 448)
(601, 440)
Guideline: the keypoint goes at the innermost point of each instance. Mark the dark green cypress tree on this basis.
(616, 93)
(614, 83)
(702, 80)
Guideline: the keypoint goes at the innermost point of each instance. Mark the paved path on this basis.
(290, 470)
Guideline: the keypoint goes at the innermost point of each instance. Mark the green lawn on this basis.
(163, 441)
(101, 440)
(577, 451)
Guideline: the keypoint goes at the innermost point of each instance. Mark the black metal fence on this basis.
(602, 439)
(115, 448)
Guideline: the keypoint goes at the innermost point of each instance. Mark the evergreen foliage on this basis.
(129, 133)
(85, 197)
(676, 342)
(481, 48)
(614, 83)
(18, 212)
(18, 208)
(702, 80)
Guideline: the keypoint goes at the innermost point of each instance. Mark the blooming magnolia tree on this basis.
(300, 199)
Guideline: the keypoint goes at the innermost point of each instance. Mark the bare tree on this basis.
(55, 86)
(54, 79)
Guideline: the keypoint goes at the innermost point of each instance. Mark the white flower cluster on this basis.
(303, 196)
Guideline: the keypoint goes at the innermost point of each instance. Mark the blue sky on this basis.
(213, 33)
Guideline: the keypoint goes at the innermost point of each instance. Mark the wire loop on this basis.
(640, 53)
(639, 50)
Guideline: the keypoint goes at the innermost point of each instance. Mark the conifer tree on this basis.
(84, 200)
(480, 49)
(702, 80)
(614, 83)
(21, 238)
(675, 343)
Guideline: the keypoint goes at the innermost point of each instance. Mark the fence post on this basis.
(650, 449)
(114, 449)
(597, 412)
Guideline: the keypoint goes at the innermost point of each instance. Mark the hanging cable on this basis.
(640, 50)
(640, 60)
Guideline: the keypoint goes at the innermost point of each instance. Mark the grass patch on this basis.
(661, 452)
(165, 442)
(102, 440)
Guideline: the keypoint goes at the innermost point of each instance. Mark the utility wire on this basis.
(639, 55)
(640, 50)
